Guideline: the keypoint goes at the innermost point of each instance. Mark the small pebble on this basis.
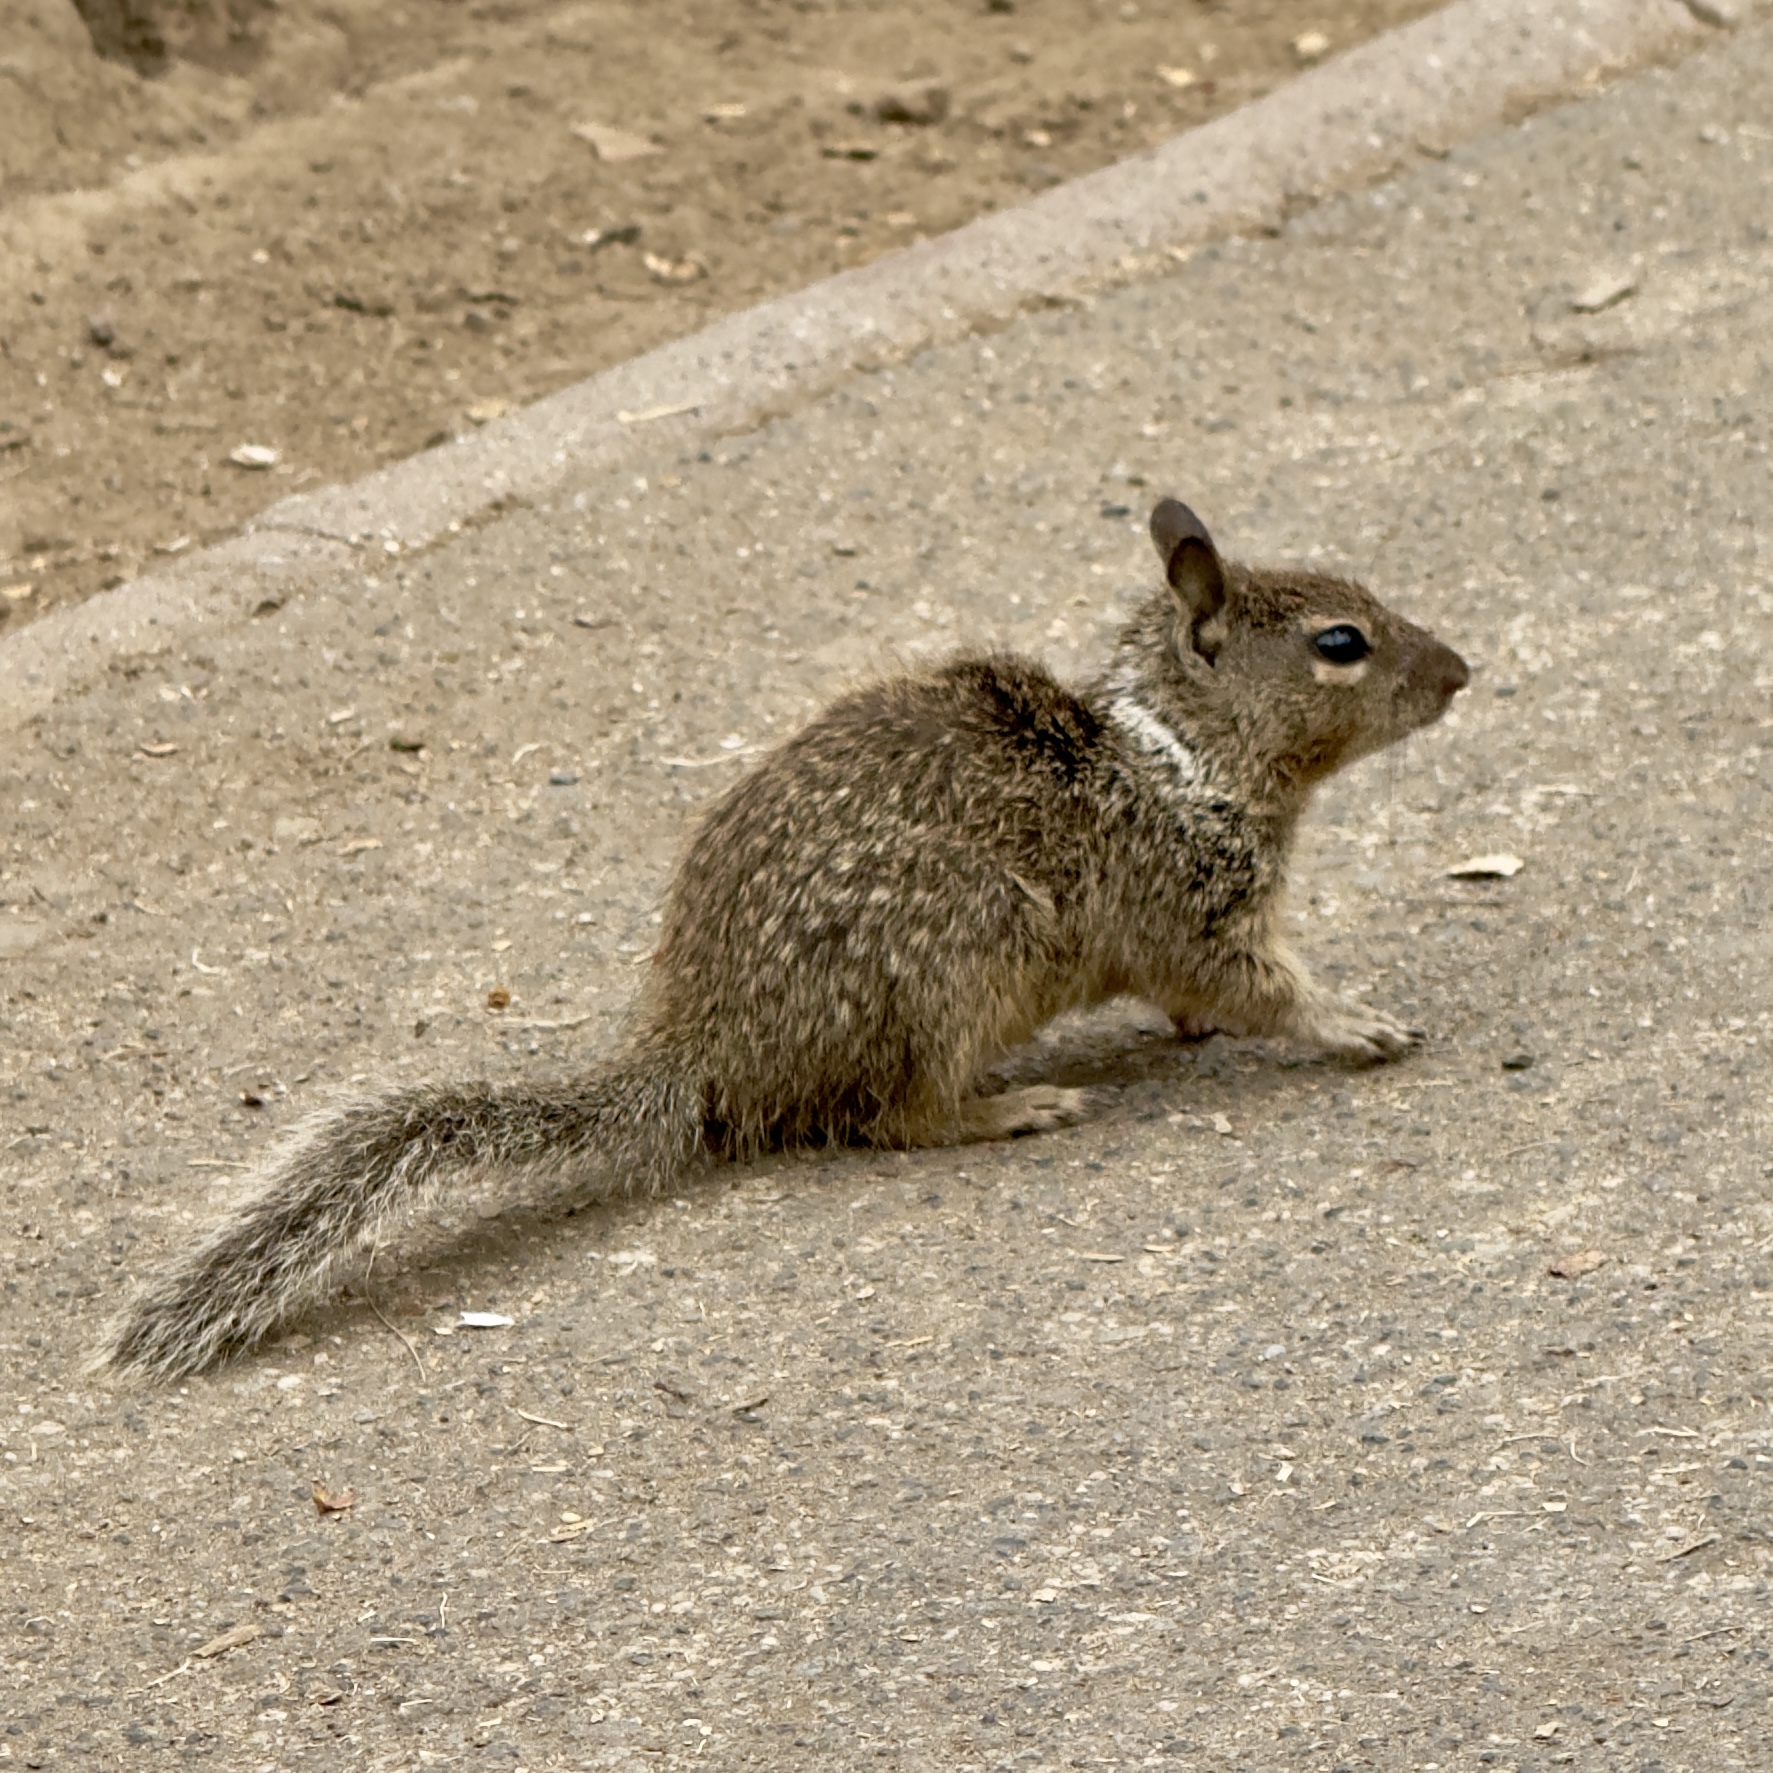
(598, 238)
(1501, 866)
(664, 270)
(922, 103)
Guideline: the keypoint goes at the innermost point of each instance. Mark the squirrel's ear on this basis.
(1191, 562)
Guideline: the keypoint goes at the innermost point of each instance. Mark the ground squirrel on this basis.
(936, 866)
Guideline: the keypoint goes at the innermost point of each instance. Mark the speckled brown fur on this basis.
(931, 870)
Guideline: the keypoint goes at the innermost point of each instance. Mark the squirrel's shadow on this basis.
(1132, 1052)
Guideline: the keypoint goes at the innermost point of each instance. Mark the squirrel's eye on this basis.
(1342, 645)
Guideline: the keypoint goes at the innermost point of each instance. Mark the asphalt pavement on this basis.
(1283, 1415)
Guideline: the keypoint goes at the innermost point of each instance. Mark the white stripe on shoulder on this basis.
(1152, 736)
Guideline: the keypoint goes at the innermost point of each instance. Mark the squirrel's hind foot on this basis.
(1040, 1108)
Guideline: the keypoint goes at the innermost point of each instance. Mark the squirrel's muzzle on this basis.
(1451, 673)
(1435, 675)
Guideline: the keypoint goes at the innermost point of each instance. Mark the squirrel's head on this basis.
(1303, 671)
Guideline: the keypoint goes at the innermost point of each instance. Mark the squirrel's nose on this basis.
(1452, 670)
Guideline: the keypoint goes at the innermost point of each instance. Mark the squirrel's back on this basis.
(926, 841)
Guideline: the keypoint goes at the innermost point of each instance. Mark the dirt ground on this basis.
(337, 234)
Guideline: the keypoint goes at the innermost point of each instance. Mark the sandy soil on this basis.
(339, 234)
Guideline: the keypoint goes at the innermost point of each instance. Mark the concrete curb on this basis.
(1463, 70)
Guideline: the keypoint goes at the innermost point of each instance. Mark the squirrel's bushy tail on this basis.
(327, 1191)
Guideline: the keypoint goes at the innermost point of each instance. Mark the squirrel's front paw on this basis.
(1353, 1031)
(1042, 1107)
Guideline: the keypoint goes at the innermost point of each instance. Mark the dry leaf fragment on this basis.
(333, 1501)
(1577, 1264)
(229, 1640)
(1723, 15)
(1605, 291)
(498, 998)
(614, 145)
(357, 845)
(544, 1422)
(1686, 1551)
(647, 415)
(1501, 866)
